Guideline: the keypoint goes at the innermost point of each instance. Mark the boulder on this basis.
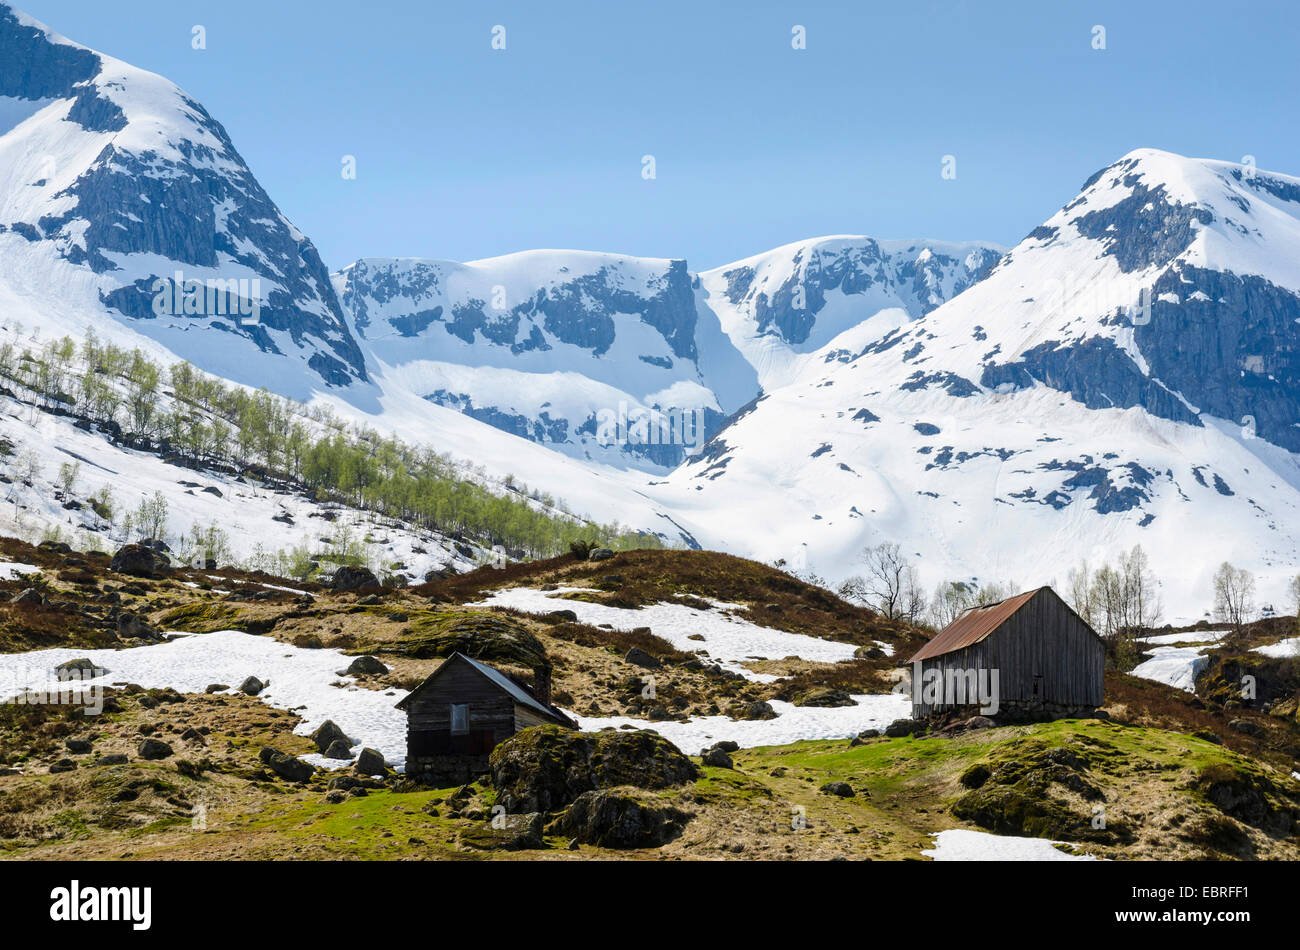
(133, 627)
(365, 666)
(153, 749)
(327, 733)
(138, 560)
(338, 749)
(717, 758)
(63, 765)
(868, 653)
(825, 698)
(619, 819)
(839, 789)
(31, 597)
(600, 554)
(759, 709)
(1245, 726)
(288, 767)
(77, 745)
(905, 727)
(638, 657)
(112, 758)
(252, 686)
(354, 578)
(371, 762)
(486, 637)
(545, 768)
(79, 669)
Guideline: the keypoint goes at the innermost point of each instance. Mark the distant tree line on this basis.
(202, 421)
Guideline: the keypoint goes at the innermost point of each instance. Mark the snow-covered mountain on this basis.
(1126, 375)
(565, 348)
(122, 201)
(113, 182)
(634, 361)
(780, 306)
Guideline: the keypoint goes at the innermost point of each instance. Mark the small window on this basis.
(459, 719)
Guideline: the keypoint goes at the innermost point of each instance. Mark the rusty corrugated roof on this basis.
(973, 626)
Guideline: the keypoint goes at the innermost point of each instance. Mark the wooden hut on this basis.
(1028, 656)
(456, 717)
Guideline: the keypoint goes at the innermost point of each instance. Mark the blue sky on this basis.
(466, 152)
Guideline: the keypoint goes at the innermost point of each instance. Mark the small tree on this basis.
(151, 517)
(1234, 596)
(68, 474)
(888, 585)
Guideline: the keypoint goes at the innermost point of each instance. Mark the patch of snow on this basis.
(300, 681)
(959, 844)
(729, 641)
(11, 570)
(1165, 639)
(1174, 666)
(792, 723)
(1282, 649)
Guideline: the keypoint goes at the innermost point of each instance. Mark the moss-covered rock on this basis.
(1250, 797)
(487, 637)
(503, 833)
(621, 819)
(202, 617)
(1023, 793)
(826, 697)
(547, 767)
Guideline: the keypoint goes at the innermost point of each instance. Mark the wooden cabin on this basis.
(1029, 656)
(456, 717)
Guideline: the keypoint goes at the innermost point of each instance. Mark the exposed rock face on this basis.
(155, 179)
(629, 326)
(547, 767)
(922, 278)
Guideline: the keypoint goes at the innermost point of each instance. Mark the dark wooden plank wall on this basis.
(1044, 638)
(489, 706)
